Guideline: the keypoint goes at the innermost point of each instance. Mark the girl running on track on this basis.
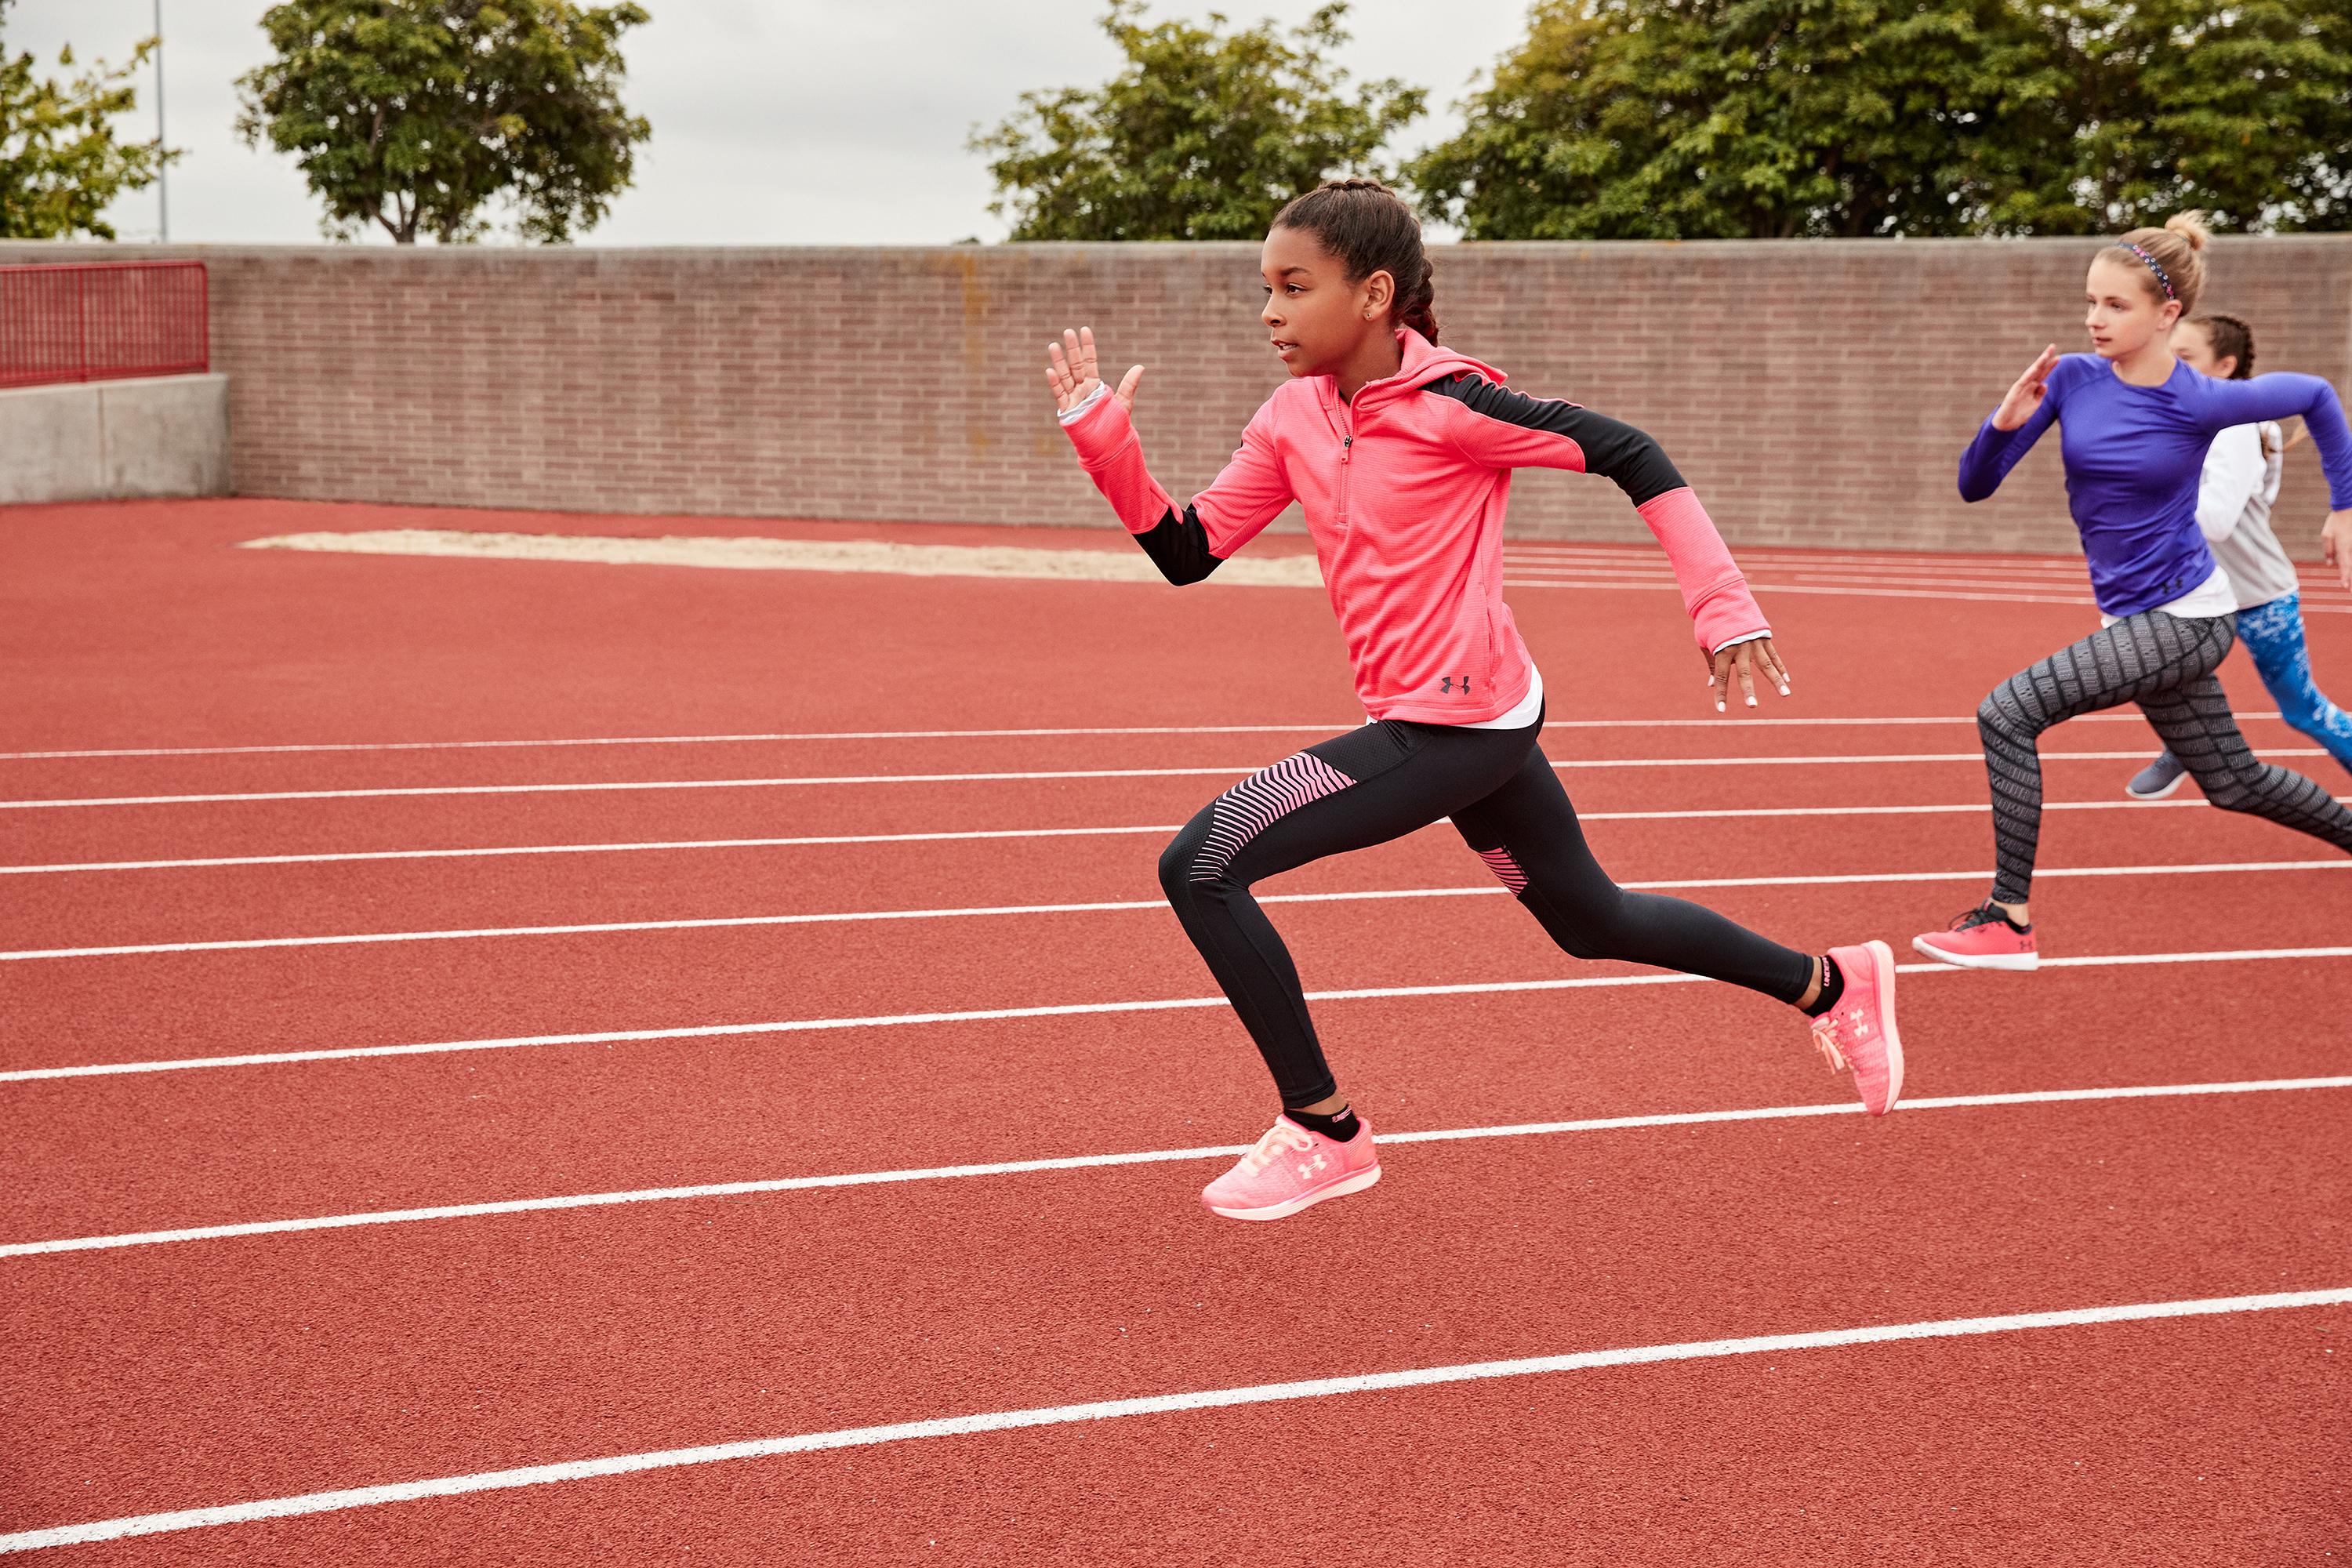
(2234, 495)
(1400, 454)
(2134, 426)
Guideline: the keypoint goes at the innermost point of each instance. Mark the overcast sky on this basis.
(775, 121)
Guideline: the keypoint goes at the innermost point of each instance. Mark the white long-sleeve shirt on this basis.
(2234, 495)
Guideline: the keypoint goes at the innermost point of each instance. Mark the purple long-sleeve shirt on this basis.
(2133, 455)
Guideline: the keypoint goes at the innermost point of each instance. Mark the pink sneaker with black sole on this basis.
(1859, 1033)
(1981, 938)
(1292, 1169)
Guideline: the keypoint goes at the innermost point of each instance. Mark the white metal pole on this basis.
(162, 189)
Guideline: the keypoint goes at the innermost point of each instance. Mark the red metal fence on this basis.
(102, 321)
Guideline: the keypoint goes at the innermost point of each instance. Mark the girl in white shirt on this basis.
(2233, 512)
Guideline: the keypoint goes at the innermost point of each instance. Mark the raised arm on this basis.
(2279, 394)
(2009, 433)
(1508, 429)
(1188, 545)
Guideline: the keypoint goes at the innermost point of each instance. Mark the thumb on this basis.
(1128, 383)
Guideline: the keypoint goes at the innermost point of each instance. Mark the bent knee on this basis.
(1599, 929)
(1190, 866)
(1997, 716)
(1176, 863)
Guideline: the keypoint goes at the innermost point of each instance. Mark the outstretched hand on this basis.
(2335, 545)
(2025, 396)
(1744, 661)
(1071, 370)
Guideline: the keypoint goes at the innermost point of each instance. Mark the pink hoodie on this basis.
(1404, 490)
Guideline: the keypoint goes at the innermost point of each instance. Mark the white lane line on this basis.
(1767, 557)
(2065, 571)
(2057, 571)
(1066, 1010)
(613, 848)
(1560, 765)
(1328, 726)
(1524, 579)
(328, 857)
(1159, 1405)
(1112, 906)
(1519, 580)
(1139, 1157)
(1522, 568)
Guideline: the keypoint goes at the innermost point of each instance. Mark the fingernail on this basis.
(1752, 702)
(1718, 706)
(1784, 691)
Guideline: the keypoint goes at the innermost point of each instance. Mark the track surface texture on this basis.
(528, 1062)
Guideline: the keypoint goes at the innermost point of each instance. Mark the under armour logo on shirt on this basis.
(1445, 683)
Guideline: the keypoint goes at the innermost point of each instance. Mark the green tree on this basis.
(2243, 110)
(1205, 135)
(1764, 119)
(418, 114)
(1694, 118)
(60, 165)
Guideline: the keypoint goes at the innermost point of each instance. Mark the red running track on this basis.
(181, 1374)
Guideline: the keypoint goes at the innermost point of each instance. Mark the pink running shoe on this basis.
(1981, 938)
(1292, 1169)
(1859, 1032)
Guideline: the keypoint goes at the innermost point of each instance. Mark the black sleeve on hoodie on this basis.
(1638, 464)
(1179, 546)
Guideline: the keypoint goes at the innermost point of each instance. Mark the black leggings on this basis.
(1382, 782)
(2165, 664)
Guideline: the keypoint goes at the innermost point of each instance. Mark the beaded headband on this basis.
(2160, 275)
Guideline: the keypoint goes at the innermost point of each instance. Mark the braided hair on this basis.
(1371, 229)
(2232, 339)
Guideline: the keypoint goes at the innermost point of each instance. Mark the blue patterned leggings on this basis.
(2273, 632)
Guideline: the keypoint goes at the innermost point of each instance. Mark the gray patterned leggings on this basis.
(2166, 665)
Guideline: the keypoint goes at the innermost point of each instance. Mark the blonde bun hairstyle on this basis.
(2170, 259)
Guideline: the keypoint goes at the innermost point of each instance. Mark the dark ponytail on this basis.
(1368, 227)
(2232, 339)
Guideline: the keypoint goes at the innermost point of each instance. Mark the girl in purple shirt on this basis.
(2134, 427)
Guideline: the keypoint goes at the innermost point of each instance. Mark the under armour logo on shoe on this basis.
(1307, 1171)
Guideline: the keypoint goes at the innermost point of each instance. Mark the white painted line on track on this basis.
(1327, 727)
(1159, 1405)
(610, 849)
(1524, 579)
(1110, 906)
(1520, 564)
(681, 844)
(1139, 1157)
(1560, 764)
(1775, 558)
(1066, 1010)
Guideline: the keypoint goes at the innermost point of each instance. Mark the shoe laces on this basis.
(1849, 1018)
(1983, 914)
(1825, 1038)
(1279, 1139)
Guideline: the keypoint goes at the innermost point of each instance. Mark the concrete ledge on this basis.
(112, 440)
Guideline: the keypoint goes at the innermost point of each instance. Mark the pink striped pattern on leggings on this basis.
(1252, 805)
(1499, 861)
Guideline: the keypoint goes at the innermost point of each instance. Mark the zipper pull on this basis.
(1346, 444)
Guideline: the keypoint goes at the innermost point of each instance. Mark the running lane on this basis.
(175, 1377)
(99, 1156)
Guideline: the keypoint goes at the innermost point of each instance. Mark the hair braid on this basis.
(1371, 229)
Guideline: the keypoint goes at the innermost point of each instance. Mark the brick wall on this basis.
(1816, 393)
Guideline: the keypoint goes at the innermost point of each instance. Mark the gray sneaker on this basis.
(2157, 780)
